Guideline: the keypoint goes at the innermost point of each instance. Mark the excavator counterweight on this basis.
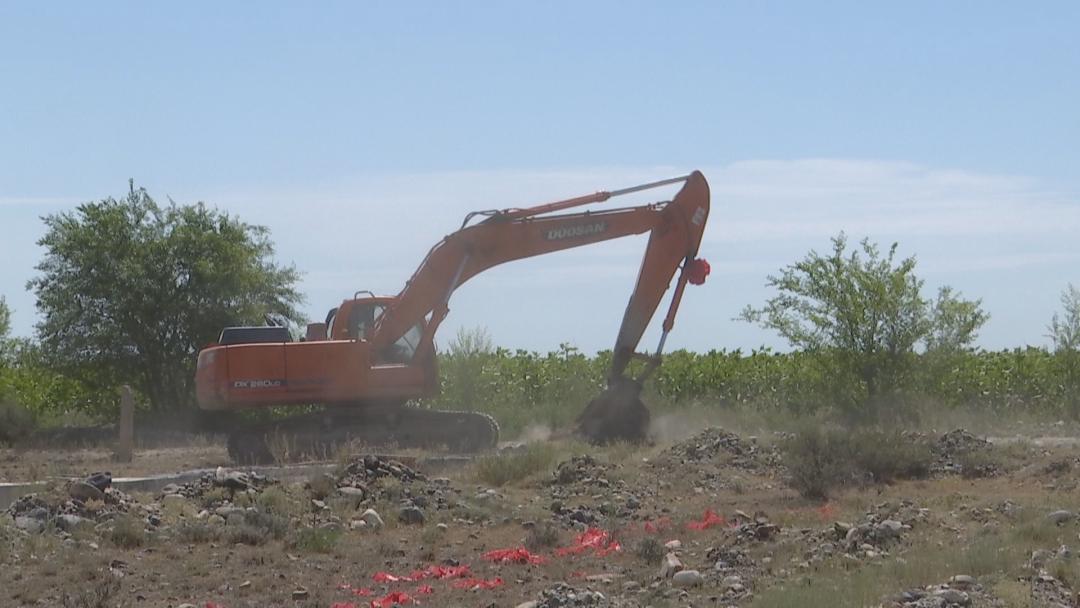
(374, 354)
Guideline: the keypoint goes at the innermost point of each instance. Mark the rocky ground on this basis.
(707, 521)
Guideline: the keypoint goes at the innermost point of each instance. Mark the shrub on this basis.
(246, 534)
(94, 595)
(16, 422)
(542, 536)
(502, 469)
(197, 532)
(321, 486)
(884, 456)
(817, 461)
(128, 533)
(649, 550)
(274, 525)
(316, 540)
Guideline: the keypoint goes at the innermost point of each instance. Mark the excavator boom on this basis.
(675, 228)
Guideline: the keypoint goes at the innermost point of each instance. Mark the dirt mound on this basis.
(372, 478)
(581, 469)
(961, 452)
(92, 500)
(715, 443)
(219, 488)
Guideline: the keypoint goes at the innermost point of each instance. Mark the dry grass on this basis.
(517, 466)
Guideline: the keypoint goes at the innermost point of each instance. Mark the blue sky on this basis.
(362, 132)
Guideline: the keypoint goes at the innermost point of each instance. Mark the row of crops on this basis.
(521, 387)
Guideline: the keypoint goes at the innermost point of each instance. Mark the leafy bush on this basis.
(821, 459)
(16, 422)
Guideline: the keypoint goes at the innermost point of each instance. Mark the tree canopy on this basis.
(5, 318)
(130, 290)
(865, 313)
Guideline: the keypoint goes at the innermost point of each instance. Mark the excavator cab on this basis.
(362, 314)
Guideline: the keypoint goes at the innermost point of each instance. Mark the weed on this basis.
(128, 533)
(649, 550)
(95, 595)
(274, 525)
(503, 469)
(212, 498)
(321, 486)
(246, 534)
(976, 464)
(274, 500)
(197, 532)
(316, 540)
(542, 536)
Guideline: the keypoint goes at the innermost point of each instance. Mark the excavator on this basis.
(373, 356)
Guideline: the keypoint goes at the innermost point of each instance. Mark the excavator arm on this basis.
(675, 229)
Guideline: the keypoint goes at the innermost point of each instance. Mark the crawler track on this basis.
(321, 434)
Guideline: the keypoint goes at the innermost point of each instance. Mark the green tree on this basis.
(5, 319)
(862, 314)
(1064, 333)
(130, 290)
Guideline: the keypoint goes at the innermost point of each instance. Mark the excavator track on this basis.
(319, 435)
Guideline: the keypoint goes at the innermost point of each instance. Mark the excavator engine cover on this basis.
(617, 414)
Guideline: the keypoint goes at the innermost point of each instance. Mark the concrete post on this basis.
(125, 448)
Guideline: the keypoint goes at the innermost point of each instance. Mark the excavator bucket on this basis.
(617, 414)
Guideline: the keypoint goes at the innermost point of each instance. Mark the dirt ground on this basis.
(706, 521)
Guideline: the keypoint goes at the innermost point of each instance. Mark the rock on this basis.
(101, 481)
(372, 518)
(953, 596)
(186, 606)
(732, 581)
(962, 581)
(687, 578)
(227, 510)
(83, 492)
(889, 529)
(670, 566)
(411, 515)
(1060, 517)
(673, 545)
(529, 604)
(68, 521)
(299, 593)
(351, 492)
(442, 527)
(29, 524)
(357, 524)
(173, 499)
(171, 488)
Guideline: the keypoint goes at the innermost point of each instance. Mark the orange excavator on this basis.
(375, 354)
